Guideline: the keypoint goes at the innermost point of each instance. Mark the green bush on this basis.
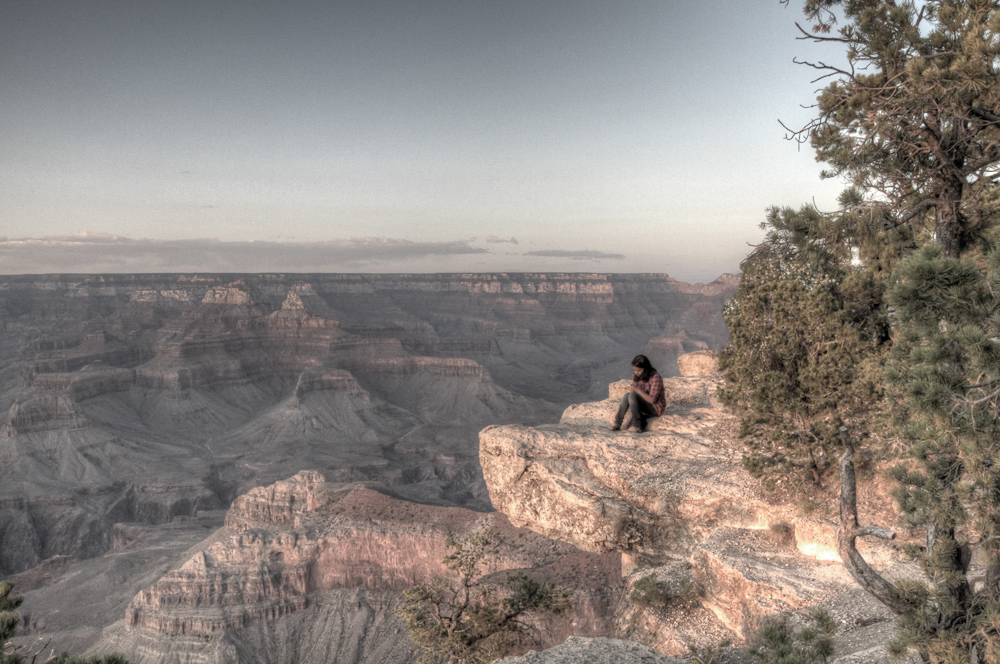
(776, 642)
(473, 620)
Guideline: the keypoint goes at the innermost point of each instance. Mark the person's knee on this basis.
(633, 398)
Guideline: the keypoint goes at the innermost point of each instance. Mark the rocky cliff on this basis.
(150, 397)
(677, 504)
(303, 556)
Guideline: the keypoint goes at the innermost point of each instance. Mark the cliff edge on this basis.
(676, 502)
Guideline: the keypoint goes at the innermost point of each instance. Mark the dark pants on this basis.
(639, 407)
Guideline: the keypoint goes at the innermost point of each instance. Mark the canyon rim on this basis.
(137, 408)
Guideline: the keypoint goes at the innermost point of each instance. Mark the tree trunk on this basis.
(951, 230)
(849, 531)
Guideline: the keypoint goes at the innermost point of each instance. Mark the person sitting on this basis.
(645, 397)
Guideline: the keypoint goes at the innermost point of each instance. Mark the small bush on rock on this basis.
(476, 621)
(784, 531)
(776, 642)
(648, 592)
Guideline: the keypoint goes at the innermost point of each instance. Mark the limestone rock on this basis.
(593, 651)
(747, 576)
(699, 363)
(654, 495)
(281, 504)
(234, 294)
(289, 543)
(670, 627)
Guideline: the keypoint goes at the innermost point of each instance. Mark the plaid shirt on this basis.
(654, 388)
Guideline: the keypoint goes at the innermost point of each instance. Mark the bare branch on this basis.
(830, 69)
(983, 114)
(812, 36)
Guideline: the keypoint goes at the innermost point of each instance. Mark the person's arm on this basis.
(655, 389)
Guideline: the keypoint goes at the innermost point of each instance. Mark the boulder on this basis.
(653, 496)
(698, 363)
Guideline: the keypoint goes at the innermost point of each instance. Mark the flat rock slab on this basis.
(593, 651)
(747, 575)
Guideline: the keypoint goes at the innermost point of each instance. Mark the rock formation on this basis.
(677, 504)
(296, 554)
(150, 397)
(135, 407)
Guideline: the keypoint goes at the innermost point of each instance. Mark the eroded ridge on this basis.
(285, 546)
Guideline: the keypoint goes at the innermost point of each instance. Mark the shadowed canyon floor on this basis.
(137, 407)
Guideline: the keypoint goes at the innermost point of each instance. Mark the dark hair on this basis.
(642, 362)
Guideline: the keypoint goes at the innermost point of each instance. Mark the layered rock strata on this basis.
(286, 547)
(129, 401)
(676, 502)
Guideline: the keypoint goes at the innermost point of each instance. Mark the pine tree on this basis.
(912, 123)
(806, 343)
(777, 642)
(912, 118)
(9, 621)
(475, 620)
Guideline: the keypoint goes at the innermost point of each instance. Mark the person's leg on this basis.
(641, 411)
(623, 407)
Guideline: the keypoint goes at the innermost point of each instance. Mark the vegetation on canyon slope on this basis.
(476, 619)
(11, 654)
(897, 293)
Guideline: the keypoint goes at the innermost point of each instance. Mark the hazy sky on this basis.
(432, 136)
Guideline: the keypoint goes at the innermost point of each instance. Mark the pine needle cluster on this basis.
(776, 642)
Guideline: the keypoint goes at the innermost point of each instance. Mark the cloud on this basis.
(493, 239)
(99, 253)
(576, 255)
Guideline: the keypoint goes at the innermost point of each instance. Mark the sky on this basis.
(399, 136)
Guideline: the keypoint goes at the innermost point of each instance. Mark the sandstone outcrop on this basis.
(676, 502)
(288, 546)
(698, 363)
(651, 496)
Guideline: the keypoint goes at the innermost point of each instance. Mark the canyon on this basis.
(144, 414)
(310, 570)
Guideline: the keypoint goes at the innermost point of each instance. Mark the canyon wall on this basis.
(134, 409)
(307, 571)
(678, 506)
(146, 398)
